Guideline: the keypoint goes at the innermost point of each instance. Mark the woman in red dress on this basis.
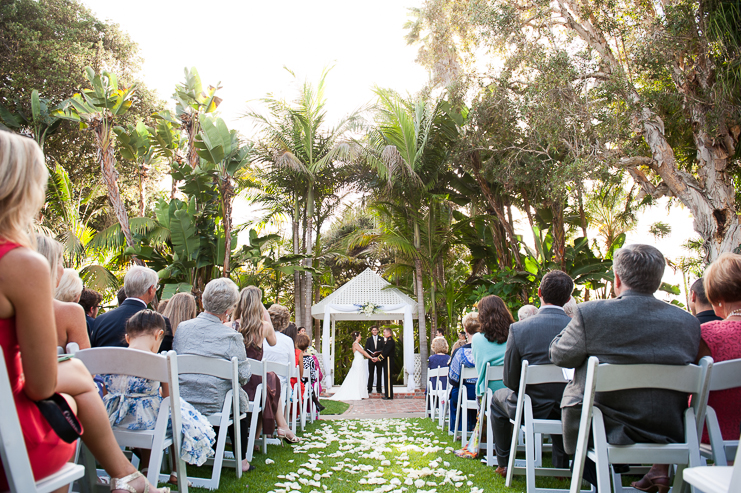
(28, 331)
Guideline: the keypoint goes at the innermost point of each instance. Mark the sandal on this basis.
(123, 484)
(284, 434)
(659, 484)
(173, 479)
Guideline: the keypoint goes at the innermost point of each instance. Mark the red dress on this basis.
(46, 451)
(299, 361)
(723, 337)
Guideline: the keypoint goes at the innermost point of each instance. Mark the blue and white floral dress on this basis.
(133, 404)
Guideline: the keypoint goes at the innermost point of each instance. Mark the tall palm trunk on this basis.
(559, 234)
(309, 252)
(226, 206)
(423, 352)
(296, 274)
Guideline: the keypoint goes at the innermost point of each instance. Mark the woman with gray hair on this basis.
(69, 317)
(206, 335)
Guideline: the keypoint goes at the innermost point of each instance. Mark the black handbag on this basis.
(60, 417)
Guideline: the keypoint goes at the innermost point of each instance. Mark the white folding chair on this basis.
(464, 404)
(715, 479)
(443, 397)
(255, 408)
(226, 370)
(689, 379)
(725, 375)
(493, 374)
(295, 398)
(532, 430)
(13, 449)
(72, 348)
(162, 368)
(281, 370)
(431, 393)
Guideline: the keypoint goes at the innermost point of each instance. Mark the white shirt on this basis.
(283, 352)
(552, 306)
(375, 342)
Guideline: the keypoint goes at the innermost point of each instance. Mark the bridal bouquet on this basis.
(368, 309)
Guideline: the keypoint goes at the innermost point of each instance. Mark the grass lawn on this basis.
(378, 455)
(333, 407)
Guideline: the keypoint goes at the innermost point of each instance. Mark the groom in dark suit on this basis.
(373, 346)
(387, 361)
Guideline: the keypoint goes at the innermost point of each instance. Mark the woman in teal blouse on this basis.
(490, 343)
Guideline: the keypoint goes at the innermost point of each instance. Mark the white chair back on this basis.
(13, 448)
(225, 370)
(158, 367)
(725, 375)
(689, 379)
(463, 405)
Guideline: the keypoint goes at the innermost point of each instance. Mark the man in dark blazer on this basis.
(634, 328)
(140, 284)
(387, 361)
(528, 340)
(373, 345)
(699, 304)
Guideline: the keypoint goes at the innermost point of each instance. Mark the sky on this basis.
(245, 46)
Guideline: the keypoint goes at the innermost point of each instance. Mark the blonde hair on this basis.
(471, 323)
(181, 307)
(249, 315)
(280, 316)
(70, 287)
(722, 279)
(23, 177)
(52, 250)
(439, 345)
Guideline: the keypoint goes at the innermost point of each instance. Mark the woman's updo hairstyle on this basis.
(144, 322)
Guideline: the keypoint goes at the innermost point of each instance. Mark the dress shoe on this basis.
(502, 471)
(387, 398)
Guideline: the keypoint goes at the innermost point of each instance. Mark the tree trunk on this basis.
(296, 274)
(423, 352)
(226, 207)
(531, 220)
(141, 191)
(559, 234)
(582, 215)
(497, 208)
(309, 252)
(190, 125)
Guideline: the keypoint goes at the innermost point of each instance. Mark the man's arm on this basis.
(387, 350)
(512, 363)
(569, 348)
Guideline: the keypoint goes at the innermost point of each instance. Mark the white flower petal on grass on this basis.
(269, 461)
(419, 483)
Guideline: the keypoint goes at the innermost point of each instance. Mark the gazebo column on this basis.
(334, 346)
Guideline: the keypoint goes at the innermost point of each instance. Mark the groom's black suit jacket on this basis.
(370, 348)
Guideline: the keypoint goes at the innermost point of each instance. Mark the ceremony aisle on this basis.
(373, 455)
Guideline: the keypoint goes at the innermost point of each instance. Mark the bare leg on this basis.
(74, 379)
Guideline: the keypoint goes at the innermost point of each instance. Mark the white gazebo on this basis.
(345, 304)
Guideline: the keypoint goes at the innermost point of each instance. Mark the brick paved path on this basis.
(402, 406)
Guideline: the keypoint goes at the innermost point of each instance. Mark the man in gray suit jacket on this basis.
(634, 328)
(528, 341)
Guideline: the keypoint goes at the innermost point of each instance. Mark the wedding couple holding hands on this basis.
(379, 351)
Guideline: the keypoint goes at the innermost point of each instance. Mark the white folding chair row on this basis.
(443, 398)
(464, 404)
(715, 479)
(71, 348)
(689, 379)
(308, 409)
(15, 461)
(531, 430)
(725, 375)
(432, 399)
(161, 368)
(296, 399)
(280, 370)
(493, 374)
(229, 414)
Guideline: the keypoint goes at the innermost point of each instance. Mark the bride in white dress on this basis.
(355, 386)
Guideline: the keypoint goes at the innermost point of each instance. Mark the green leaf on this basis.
(35, 107)
(183, 235)
(169, 290)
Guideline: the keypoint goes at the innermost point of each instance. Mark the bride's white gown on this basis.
(355, 386)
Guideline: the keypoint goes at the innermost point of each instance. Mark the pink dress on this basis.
(723, 337)
(47, 453)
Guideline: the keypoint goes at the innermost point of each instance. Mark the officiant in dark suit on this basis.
(373, 346)
(386, 359)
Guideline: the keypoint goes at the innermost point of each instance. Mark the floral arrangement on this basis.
(368, 309)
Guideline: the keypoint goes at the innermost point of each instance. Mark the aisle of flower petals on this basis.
(374, 455)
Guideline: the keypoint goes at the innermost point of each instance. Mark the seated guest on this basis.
(489, 344)
(121, 296)
(526, 311)
(310, 369)
(133, 403)
(528, 340)
(699, 304)
(252, 320)
(634, 328)
(90, 303)
(140, 284)
(463, 356)
(721, 340)
(206, 335)
(462, 339)
(27, 336)
(439, 333)
(439, 360)
(69, 317)
(284, 351)
(162, 306)
(70, 287)
(292, 332)
(179, 308)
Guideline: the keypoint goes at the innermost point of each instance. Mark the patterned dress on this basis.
(723, 337)
(133, 404)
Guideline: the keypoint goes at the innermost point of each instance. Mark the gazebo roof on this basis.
(366, 287)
